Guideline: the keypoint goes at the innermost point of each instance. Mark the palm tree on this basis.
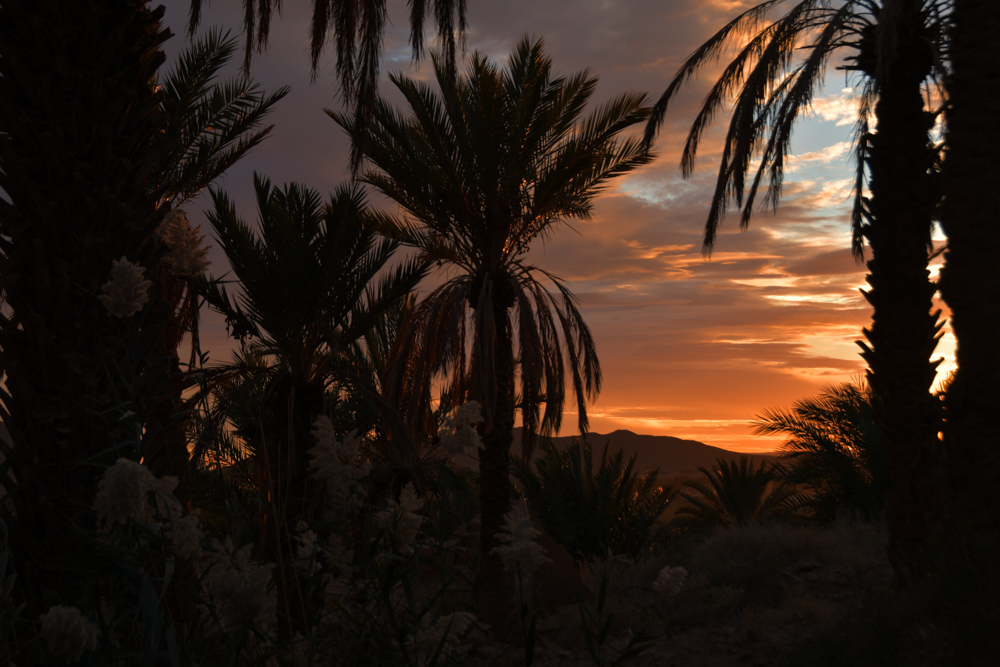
(80, 127)
(895, 48)
(209, 127)
(312, 286)
(970, 282)
(481, 171)
(836, 447)
(737, 494)
(592, 511)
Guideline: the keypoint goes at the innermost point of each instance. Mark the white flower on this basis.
(67, 633)
(186, 256)
(127, 291)
(184, 533)
(670, 581)
(123, 494)
(402, 518)
(305, 540)
(340, 467)
(521, 552)
(458, 433)
(236, 587)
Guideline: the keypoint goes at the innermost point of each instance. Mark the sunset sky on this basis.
(690, 347)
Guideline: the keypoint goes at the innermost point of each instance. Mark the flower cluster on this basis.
(184, 533)
(401, 519)
(458, 433)
(187, 255)
(127, 291)
(123, 494)
(340, 467)
(67, 633)
(236, 587)
(670, 581)
(521, 553)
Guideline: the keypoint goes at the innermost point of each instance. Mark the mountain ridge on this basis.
(673, 456)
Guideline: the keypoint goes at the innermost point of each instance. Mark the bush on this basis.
(593, 512)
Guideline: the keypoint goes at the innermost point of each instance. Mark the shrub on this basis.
(736, 494)
(593, 511)
(836, 448)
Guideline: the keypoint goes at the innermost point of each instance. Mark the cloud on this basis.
(841, 108)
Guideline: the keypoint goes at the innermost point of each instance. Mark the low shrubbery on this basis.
(594, 508)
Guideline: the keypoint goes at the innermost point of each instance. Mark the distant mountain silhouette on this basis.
(673, 456)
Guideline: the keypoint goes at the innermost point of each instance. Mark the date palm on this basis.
(836, 447)
(79, 130)
(895, 49)
(311, 287)
(481, 171)
(970, 282)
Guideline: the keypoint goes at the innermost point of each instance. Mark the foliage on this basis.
(312, 286)
(593, 510)
(898, 50)
(210, 125)
(482, 171)
(358, 29)
(735, 494)
(496, 161)
(836, 448)
(312, 291)
(596, 627)
(776, 70)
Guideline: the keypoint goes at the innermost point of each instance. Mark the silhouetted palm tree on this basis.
(312, 285)
(895, 47)
(736, 494)
(79, 130)
(970, 282)
(482, 171)
(836, 447)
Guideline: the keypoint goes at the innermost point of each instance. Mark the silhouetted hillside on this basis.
(673, 456)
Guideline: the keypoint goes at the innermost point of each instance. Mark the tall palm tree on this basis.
(836, 447)
(895, 49)
(80, 129)
(970, 282)
(481, 171)
(312, 285)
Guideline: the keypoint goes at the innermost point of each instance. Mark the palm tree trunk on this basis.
(494, 471)
(904, 332)
(970, 281)
(80, 122)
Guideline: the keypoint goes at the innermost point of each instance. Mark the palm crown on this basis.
(771, 87)
(481, 171)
